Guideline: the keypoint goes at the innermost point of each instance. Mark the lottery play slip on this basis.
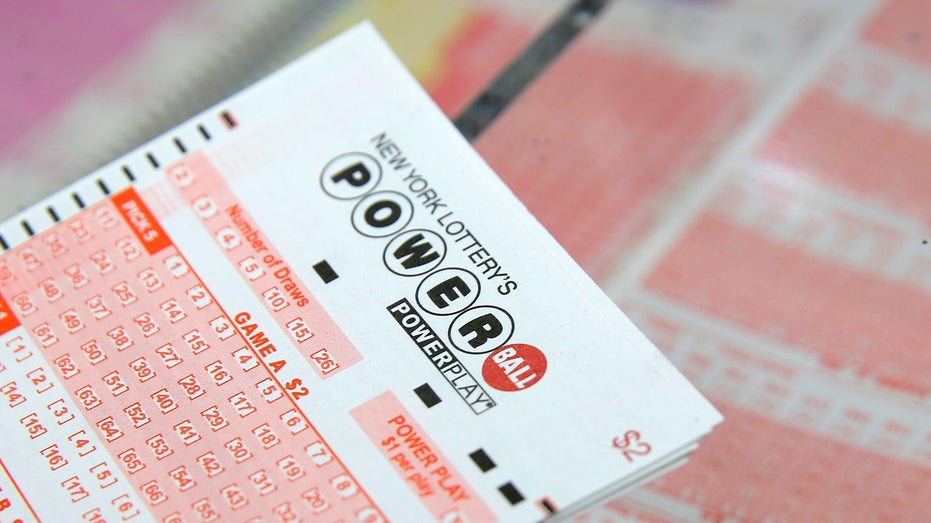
(315, 302)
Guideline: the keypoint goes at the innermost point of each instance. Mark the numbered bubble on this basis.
(350, 176)
(448, 291)
(414, 252)
(481, 329)
(382, 213)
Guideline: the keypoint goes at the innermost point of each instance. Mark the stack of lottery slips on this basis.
(315, 302)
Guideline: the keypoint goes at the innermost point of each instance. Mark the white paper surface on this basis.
(262, 300)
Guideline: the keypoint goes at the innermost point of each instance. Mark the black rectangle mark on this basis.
(203, 131)
(103, 186)
(228, 118)
(27, 228)
(180, 145)
(482, 460)
(427, 395)
(52, 213)
(510, 493)
(548, 506)
(129, 174)
(3, 243)
(325, 271)
(152, 159)
(77, 199)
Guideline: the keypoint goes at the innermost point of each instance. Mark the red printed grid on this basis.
(69, 450)
(733, 477)
(743, 373)
(202, 430)
(632, 134)
(851, 147)
(760, 469)
(845, 316)
(902, 26)
(489, 40)
(274, 282)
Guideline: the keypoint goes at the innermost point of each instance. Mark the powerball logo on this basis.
(446, 292)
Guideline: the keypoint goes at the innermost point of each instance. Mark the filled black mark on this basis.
(129, 174)
(548, 506)
(103, 186)
(510, 493)
(27, 228)
(180, 145)
(427, 395)
(152, 159)
(203, 131)
(228, 118)
(527, 66)
(53, 214)
(482, 460)
(3, 243)
(325, 271)
(77, 199)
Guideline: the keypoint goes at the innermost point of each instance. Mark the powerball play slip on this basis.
(315, 302)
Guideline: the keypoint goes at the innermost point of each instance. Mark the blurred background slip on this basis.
(748, 179)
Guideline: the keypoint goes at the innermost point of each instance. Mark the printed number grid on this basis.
(201, 429)
(275, 284)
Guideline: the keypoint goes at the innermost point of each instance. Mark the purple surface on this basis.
(52, 47)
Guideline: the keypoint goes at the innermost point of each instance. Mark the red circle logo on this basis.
(514, 367)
